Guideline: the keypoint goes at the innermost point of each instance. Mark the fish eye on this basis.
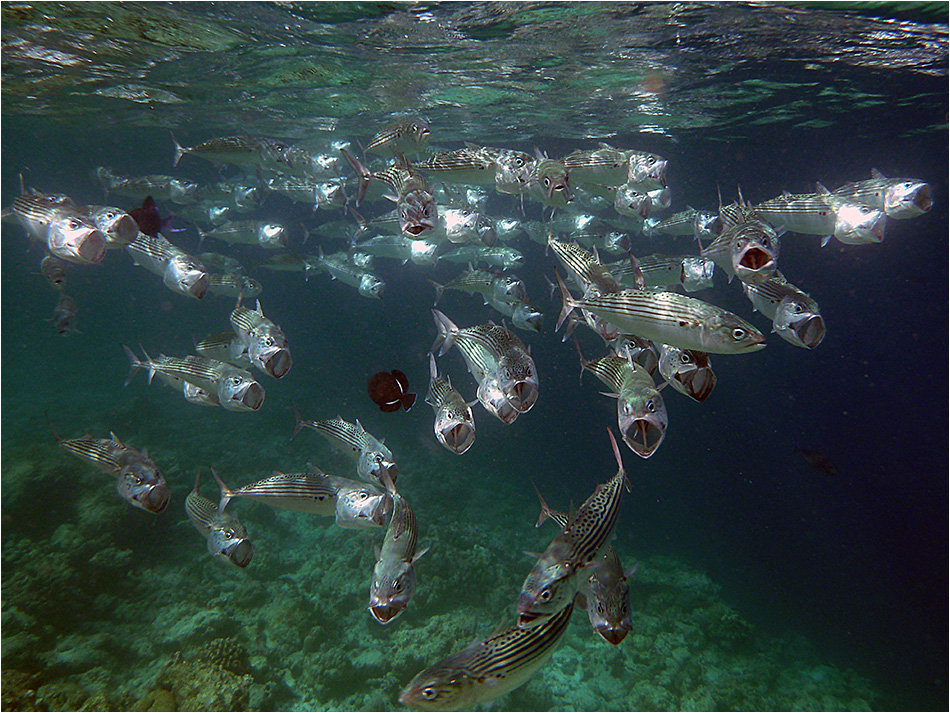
(397, 586)
(429, 693)
(228, 534)
(600, 607)
(650, 160)
(686, 358)
(137, 480)
(519, 162)
(236, 380)
(738, 334)
(765, 242)
(268, 341)
(362, 495)
(739, 244)
(545, 595)
(651, 407)
(547, 181)
(798, 309)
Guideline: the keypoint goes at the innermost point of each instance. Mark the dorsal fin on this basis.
(877, 174)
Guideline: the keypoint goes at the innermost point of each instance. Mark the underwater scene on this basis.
(497, 356)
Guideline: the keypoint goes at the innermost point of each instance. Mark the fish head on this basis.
(617, 242)
(511, 258)
(118, 226)
(186, 277)
(441, 688)
(361, 259)
(182, 192)
(527, 318)
(361, 507)
(250, 287)
(798, 323)
(518, 380)
(418, 213)
(726, 333)
(660, 198)
(228, 542)
(268, 351)
(423, 252)
(859, 224)
(647, 169)
(754, 251)
(374, 460)
(371, 286)
(272, 236)
(548, 588)
(689, 371)
(75, 239)
(238, 391)
(631, 203)
(508, 288)
(491, 396)
(640, 351)
(908, 199)
(642, 418)
(454, 430)
(393, 585)
(697, 273)
(461, 225)
(555, 184)
(141, 484)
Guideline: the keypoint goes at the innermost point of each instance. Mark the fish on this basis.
(641, 413)
(550, 182)
(268, 235)
(605, 166)
(417, 209)
(399, 247)
(700, 223)
(463, 225)
(585, 267)
(224, 346)
(492, 350)
(646, 171)
(454, 423)
(339, 267)
(826, 215)
(523, 315)
(390, 390)
(68, 234)
(514, 170)
(504, 287)
(262, 341)
(748, 246)
(501, 256)
(493, 399)
(693, 272)
(688, 371)
(227, 538)
(638, 350)
(138, 480)
(352, 504)
(237, 150)
(795, 316)
(670, 318)
(226, 262)
(54, 270)
(553, 581)
(632, 203)
(471, 165)
(147, 217)
(64, 314)
(606, 591)
(407, 137)
(233, 284)
(181, 273)
(899, 198)
(485, 670)
(394, 577)
(160, 187)
(818, 460)
(235, 388)
(373, 458)
(119, 227)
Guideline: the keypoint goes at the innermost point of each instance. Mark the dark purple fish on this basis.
(818, 460)
(390, 390)
(147, 217)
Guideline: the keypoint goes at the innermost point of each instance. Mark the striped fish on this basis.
(454, 424)
(352, 504)
(248, 232)
(118, 226)
(235, 388)
(552, 583)
(641, 413)
(227, 539)
(504, 287)
(688, 222)
(262, 341)
(747, 249)
(550, 182)
(687, 370)
(605, 166)
(373, 458)
(394, 579)
(232, 284)
(138, 480)
(523, 315)
(469, 165)
(586, 269)
(180, 272)
(407, 137)
(669, 318)
(487, 669)
(68, 234)
(224, 346)
(160, 187)
(237, 150)
(638, 350)
(693, 272)
(490, 395)
(899, 198)
(795, 316)
(399, 247)
(606, 590)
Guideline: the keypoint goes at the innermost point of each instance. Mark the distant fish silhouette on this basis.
(818, 460)
(147, 217)
(390, 390)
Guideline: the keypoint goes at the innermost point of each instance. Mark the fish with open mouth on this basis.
(825, 214)
(226, 536)
(262, 341)
(795, 316)
(689, 371)
(748, 245)
(58, 222)
(454, 423)
(181, 273)
(899, 198)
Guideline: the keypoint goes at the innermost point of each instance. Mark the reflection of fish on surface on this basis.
(818, 460)
(390, 390)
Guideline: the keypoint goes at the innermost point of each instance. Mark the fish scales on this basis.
(99, 451)
(343, 431)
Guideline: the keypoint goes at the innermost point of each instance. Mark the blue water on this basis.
(856, 564)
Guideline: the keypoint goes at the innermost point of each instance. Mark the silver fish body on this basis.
(237, 150)
(605, 166)
(399, 247)
(693, 272)
(373, 457)
(359, 505)
(703, 224)
(54, 270)
(232, 284)
(747, 250)
(688, 371)
(629, 201)
(899, 198)
(68, 234)
(138, 480)
(160, 187)
(795, 316)
(501, 256)
(180, 272)
(339, 267)
(469, 165)
(503, 287)
(263, 341)
(250, 232)
(226, 537)
(454, 423)
(492, 398)
(118, 226)
(407, 136)
(523, 315)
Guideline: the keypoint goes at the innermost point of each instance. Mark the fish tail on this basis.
(134, 365)
(439, 291)
(363, 174)
(581, 355)
(50, 422)
(226, 492)
(546, 511)
(361, 225)
(201, 236)
(567, 302)
(447, 332)
(300, 423)
(620, 471)
(179, 151)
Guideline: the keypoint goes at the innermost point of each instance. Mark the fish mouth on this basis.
(240, 554)
(90, 247)
(924, 199)
(612, 635)
(758, 261)
(387, 467)
(643, 437)
(385, 613)
(156, 500)
(125, 229)
(278, 363)
(647, 358)
(196, 286)
(811, 330)
(698, 383)
(458, 438)
(253, 396)
(416, 229)
(522, 396)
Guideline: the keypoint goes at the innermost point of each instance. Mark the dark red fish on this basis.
(818, 460)
(390, 390)
(147, 217)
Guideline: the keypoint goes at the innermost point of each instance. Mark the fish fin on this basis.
(377, 552)
(821, 189)
(50, 422)
(629, 571)
(568, 303)
(134, 365)
(300, 423)
(401, 379)
(226, 492)
(201, 236)
(260, 310)
(417, 555)
(179, 151)
(610, 394)
(447, 332)
(197, 480)
(116, 439)
(825, 239)
(363, 175)
(534, 555)
(580, 601)
(877, 174)
(620, 470)
(439, 291)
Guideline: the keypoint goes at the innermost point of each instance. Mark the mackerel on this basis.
(470, 165)
(180, 272)
(68, 234)
(503, 287)
(795, 316)
(454, 424)
(262, 341)
(693, 272)
(403, 137)
(687, 370)
(227, 539)
(899, 198)
(233, 284)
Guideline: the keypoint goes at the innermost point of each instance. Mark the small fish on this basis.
(605, 166)
(551, 182)
(181, 273)
(249, 232)
(693, 272)
(818, 460)
(227, 538)
(57, 221)
(795, 316)
(394, 578)
(233, 284)
(54, 270)
(138, 480)
(703, 224)
(406, 137)
(147, 217)
(501, 256)
(454, 424)
(490, 395)
(160, 187)
(470, 165)
(390, 390)
(748, 246)
(237, 150)
(503, 287)
(632, 203)
(64, 314)
(339, 267)
(523, 315)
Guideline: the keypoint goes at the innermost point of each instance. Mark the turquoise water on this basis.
(761, 582)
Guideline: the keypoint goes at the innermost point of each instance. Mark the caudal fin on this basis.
(226, 492)
(567, 302)
(363, 175)
(447, 332)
